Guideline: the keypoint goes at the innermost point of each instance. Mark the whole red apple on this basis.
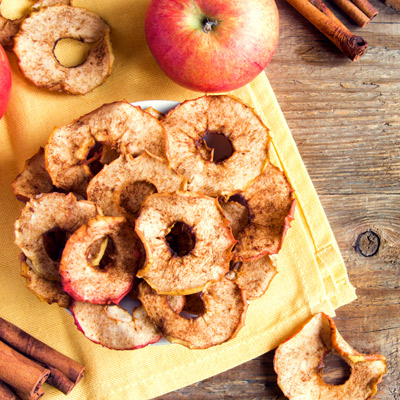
(5, 81)
(212, 45)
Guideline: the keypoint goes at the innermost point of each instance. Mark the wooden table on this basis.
(345, 119)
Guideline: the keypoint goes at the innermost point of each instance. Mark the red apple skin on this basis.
(5, 81)
(227, 57)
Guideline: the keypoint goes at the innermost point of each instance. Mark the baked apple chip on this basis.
(298, 363)
(253, 276)
(46, 290)
(100, 261)
(113, 327)
(187, 240)
(45, 225)
(219, 144)
(73, 150)
(225, 308)
(38, 36)
(122, 186)
(270, 204)
(34, 178)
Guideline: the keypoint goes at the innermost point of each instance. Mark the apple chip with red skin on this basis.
(218, 143)
(121, 186)
(100, 261)
(187, 240)
(119, 125)
(113, 327)
(298, 363)
(34, 178)
(225, 308)
(270, 204)
(44, 226)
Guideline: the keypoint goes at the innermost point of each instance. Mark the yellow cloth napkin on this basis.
(312, 276)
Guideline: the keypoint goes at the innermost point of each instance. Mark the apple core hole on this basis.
(71, 52)
(218, 147)
(335, 371)
(93, 158)
(180, 240)
(133, 195)
(54, 241)
(194, 306)
(100, 253)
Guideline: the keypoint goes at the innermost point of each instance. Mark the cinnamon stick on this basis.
(20, 372)
(324, 9)
(351, 45)
(40, 351)
(35, 396)
(59, 380)
(367, 8)
(353, 12)
(6, 393)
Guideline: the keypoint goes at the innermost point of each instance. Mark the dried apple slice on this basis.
(44, 226)
(270, 204)
(187, 240)
(225, 309)
(38, 36)
(97, 273)
(298, 363)
(253, 276)
(122, 186)
(219, 144)
(113, 327)
(46, 290)
(119, 125)
(34, 178)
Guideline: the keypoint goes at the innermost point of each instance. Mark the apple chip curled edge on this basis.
(225, 307)
(298, 363)
(113, 327)
(187, 240)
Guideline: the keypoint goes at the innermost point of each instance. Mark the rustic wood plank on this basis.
(345, 119)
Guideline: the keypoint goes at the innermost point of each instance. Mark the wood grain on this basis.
(345, 119)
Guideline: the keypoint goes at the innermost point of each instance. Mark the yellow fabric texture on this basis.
(312, 276)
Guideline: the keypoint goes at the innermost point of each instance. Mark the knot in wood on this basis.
(368, 243)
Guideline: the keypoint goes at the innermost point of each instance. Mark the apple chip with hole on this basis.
(298, 363)
(46, 290)
(122, 186)
(225, 308)
(73, 151)
(253, 276)
(219, 144)
(187, 241)
(113, 327)
(45, 225)
(100, 261)
(261, 223)
(34, 178)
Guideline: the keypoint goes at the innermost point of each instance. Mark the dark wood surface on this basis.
(345, 119)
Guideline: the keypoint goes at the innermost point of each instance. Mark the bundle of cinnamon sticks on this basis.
(26, 363)
(361, 11)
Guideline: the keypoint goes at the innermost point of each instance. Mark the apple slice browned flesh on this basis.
(225, 308)
(34, 178)
(298, 363)
(270, 203)
(253, 276)
(187, 241)
(218, 143)
(121, 186)
(113, 327)
(100, 261)
(72, 149)
(46, 290)
(44, 226)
